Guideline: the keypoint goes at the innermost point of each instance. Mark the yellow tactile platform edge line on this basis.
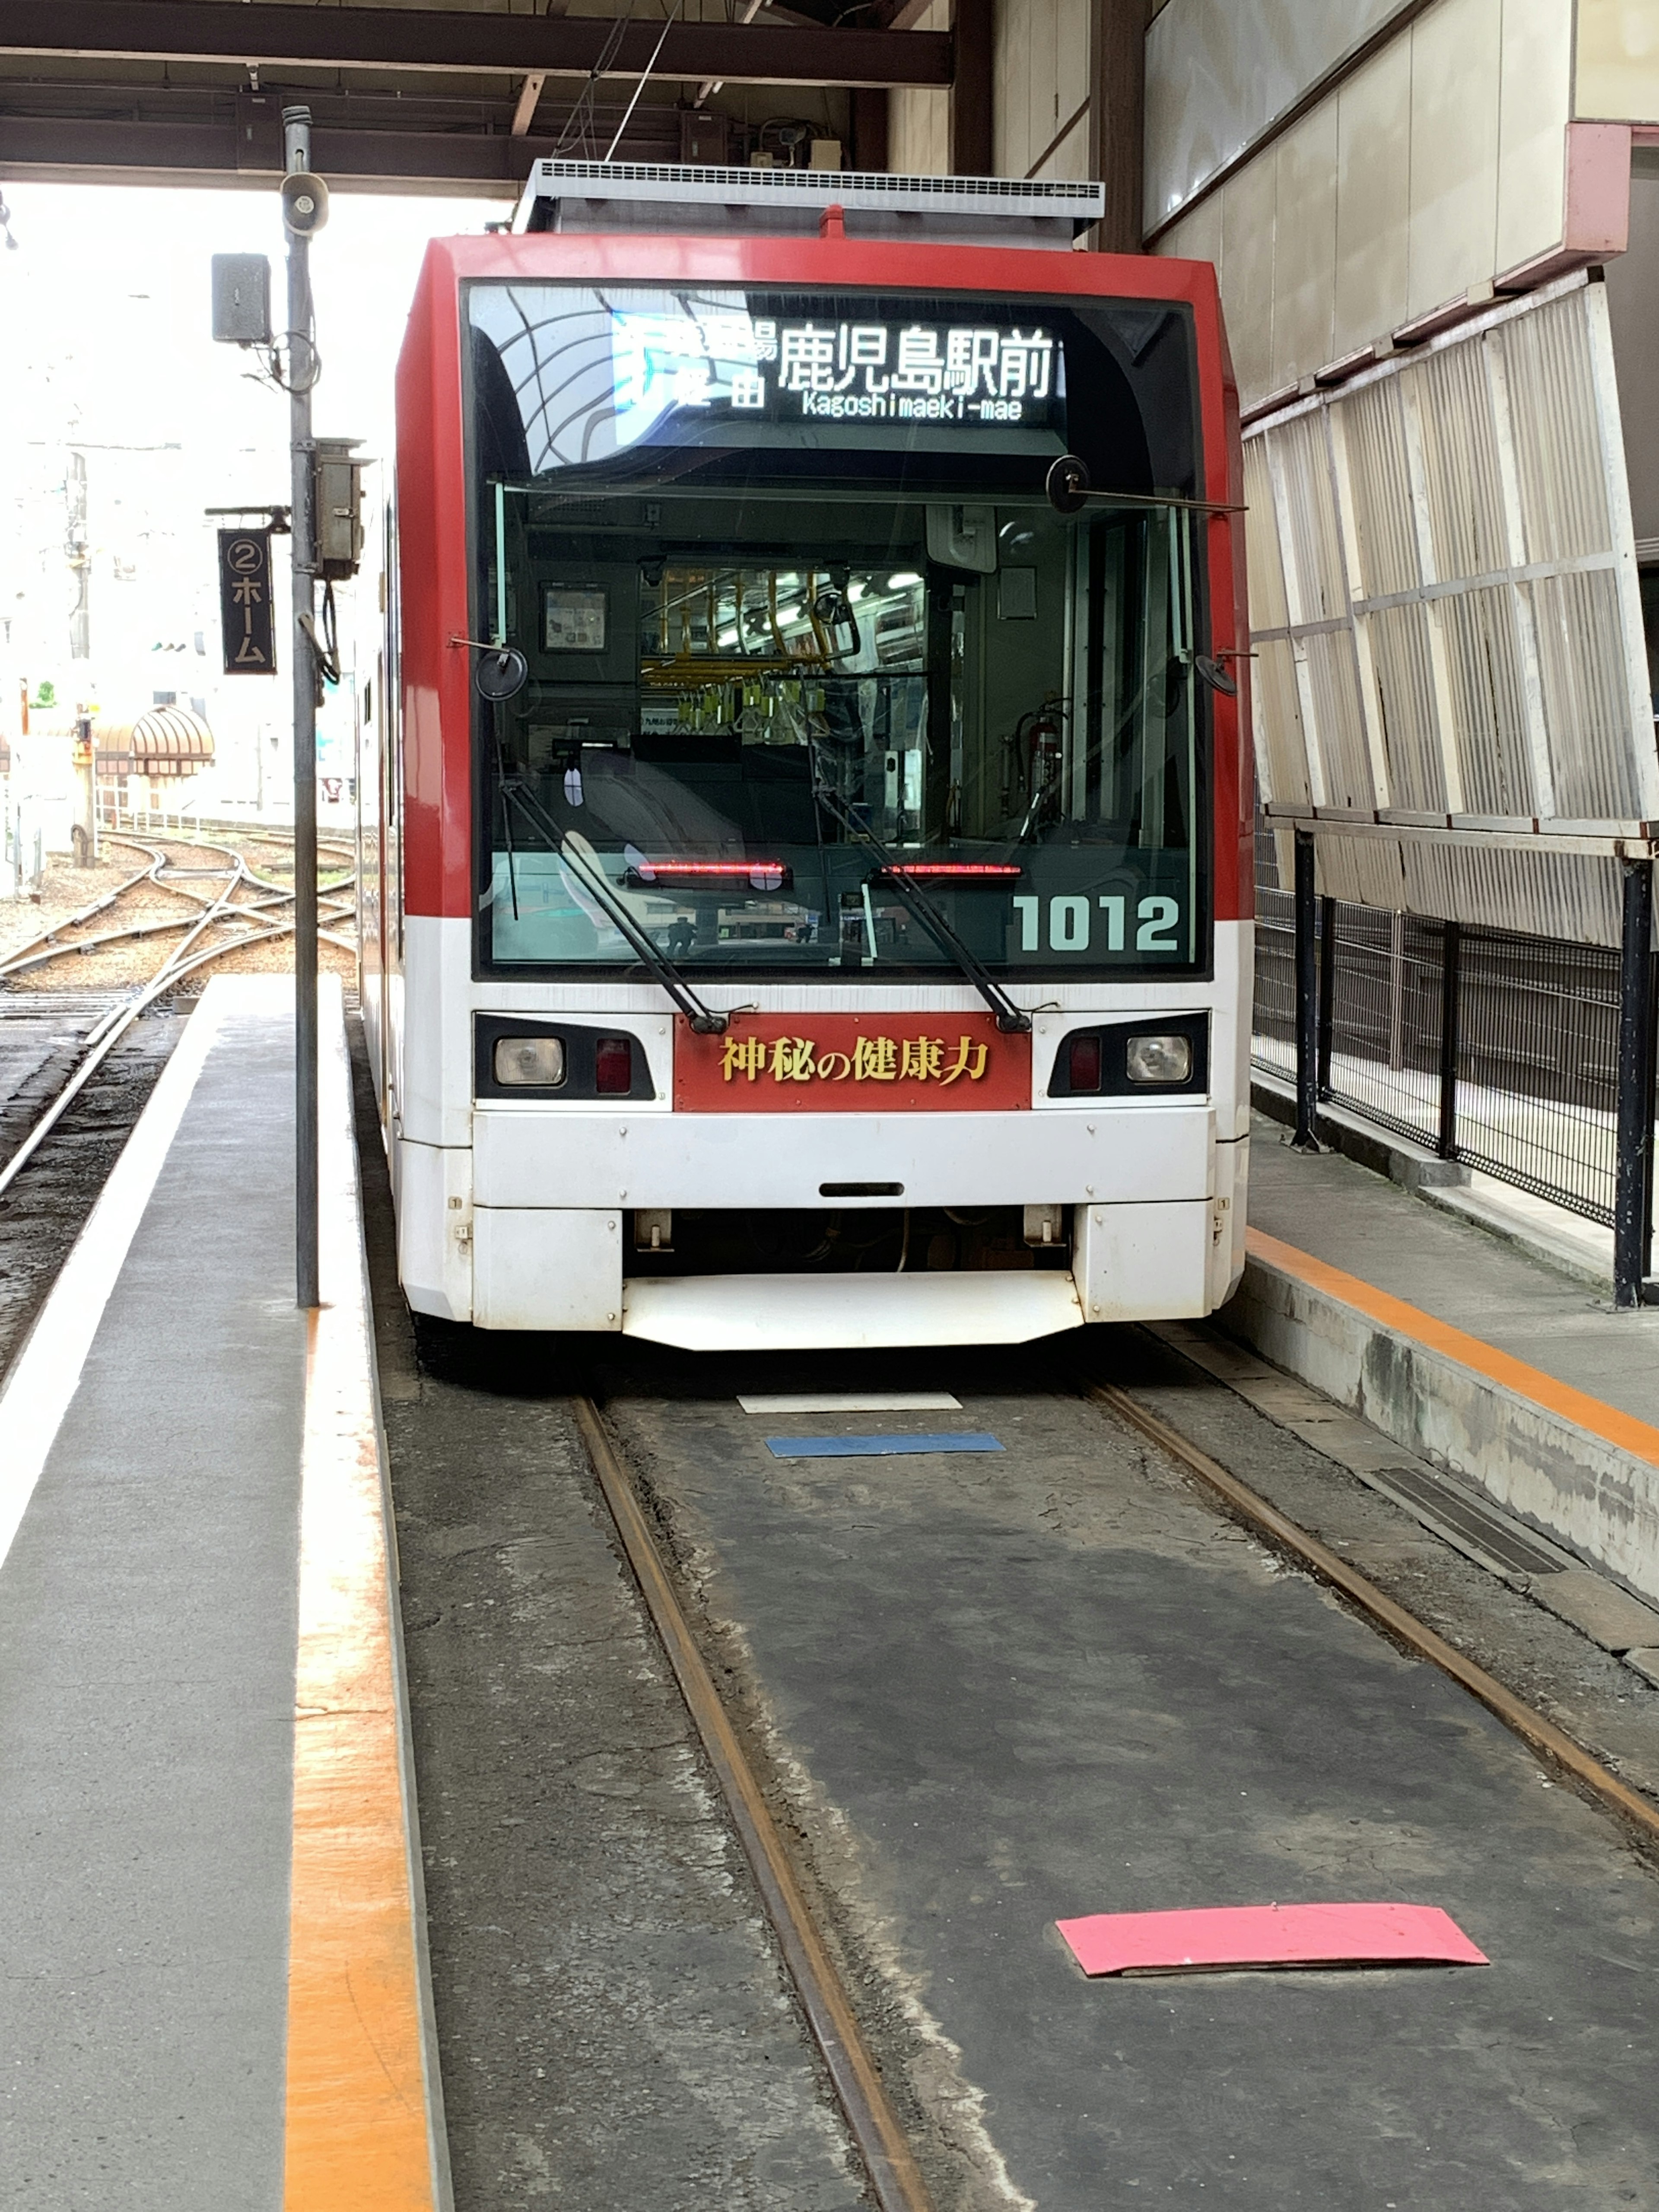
(363, 2128)
(1623, 1430)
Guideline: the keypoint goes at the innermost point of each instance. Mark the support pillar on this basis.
(972, 126)
(1632, 1203)
(1451, 952)
(1307, 998)
(869, 111)
(1116, 131)
(302, 375)
(1327, 992)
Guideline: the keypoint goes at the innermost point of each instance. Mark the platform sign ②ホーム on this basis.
(246, 615)
(851, 1064)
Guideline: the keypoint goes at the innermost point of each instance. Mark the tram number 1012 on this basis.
(1071, 923)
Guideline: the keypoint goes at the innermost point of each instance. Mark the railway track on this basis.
(852, 1641)
(895, 2177)
(189, 903)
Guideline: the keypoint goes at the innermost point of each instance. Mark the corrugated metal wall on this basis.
(1448, 619)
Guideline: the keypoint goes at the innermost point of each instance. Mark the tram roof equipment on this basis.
(659, 195)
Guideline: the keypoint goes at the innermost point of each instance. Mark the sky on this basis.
(105, 345)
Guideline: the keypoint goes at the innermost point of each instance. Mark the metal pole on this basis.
(1451, 947)
(301, 366)
(1327, 992)
(1396, 990)
(1632, 1214)
(1307, 999)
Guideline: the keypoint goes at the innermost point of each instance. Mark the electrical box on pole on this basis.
(338, 508)
(241, 299)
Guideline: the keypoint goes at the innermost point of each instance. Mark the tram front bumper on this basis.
(1149, 1192)
(1107, 1153)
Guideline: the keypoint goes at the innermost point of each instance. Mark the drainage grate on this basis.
(1486, 1531)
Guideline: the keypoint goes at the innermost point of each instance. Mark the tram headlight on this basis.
(1164, 1057)
(535, 1061)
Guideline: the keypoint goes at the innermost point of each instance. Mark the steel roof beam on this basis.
(278, 36)
(208, 149)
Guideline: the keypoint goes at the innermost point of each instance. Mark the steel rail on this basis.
(263, 833)
(238, 859)
(105, 1034)
(86, 914)
(213, 913)
(1542, 1736)
(255, 910)
(31, 958)
(895, 2177)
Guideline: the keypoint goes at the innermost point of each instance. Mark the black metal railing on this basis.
(1528, 1059)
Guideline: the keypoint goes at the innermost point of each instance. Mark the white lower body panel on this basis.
(1143, 1262)
(1119, 1151)
(434, 1187)
(561, 1267)
(850, 1312)
(547, 1267)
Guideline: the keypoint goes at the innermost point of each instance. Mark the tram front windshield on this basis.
(803, 632)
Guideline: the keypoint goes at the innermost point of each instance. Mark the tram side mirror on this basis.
(1216, 676)
(963, 537)
(501, 673)
(1068, 485)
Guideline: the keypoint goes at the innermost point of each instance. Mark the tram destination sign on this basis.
(245, 616)
(744, 366)
(596, 371)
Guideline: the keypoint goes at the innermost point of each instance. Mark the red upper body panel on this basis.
(432, 482)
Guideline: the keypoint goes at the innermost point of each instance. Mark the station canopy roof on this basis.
(459, 97)
(168, 741)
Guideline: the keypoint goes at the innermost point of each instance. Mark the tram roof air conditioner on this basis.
(667, 196)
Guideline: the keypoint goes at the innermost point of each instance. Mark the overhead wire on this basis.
(581, 117)
(628, 114)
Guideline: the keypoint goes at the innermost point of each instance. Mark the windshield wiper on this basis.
(707, 1021)
(1009, 1017)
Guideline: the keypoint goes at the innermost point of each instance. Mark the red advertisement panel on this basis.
(851, 1064)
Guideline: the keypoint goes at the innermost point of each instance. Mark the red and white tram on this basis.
(813, 852)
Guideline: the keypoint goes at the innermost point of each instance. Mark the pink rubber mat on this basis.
(1269, 1936)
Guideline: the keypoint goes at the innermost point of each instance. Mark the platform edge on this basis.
(1574, 1482)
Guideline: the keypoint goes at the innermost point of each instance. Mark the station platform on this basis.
(1465, 1348)
(214, 1996)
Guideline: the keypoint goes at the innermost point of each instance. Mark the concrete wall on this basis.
(1219, 72)
(1041, 99)
(919, 122)
(1617, 61)
(1436, 165)
(1632, 286)
(1042, 81)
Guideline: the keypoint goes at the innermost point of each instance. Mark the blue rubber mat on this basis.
(956, 1440)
